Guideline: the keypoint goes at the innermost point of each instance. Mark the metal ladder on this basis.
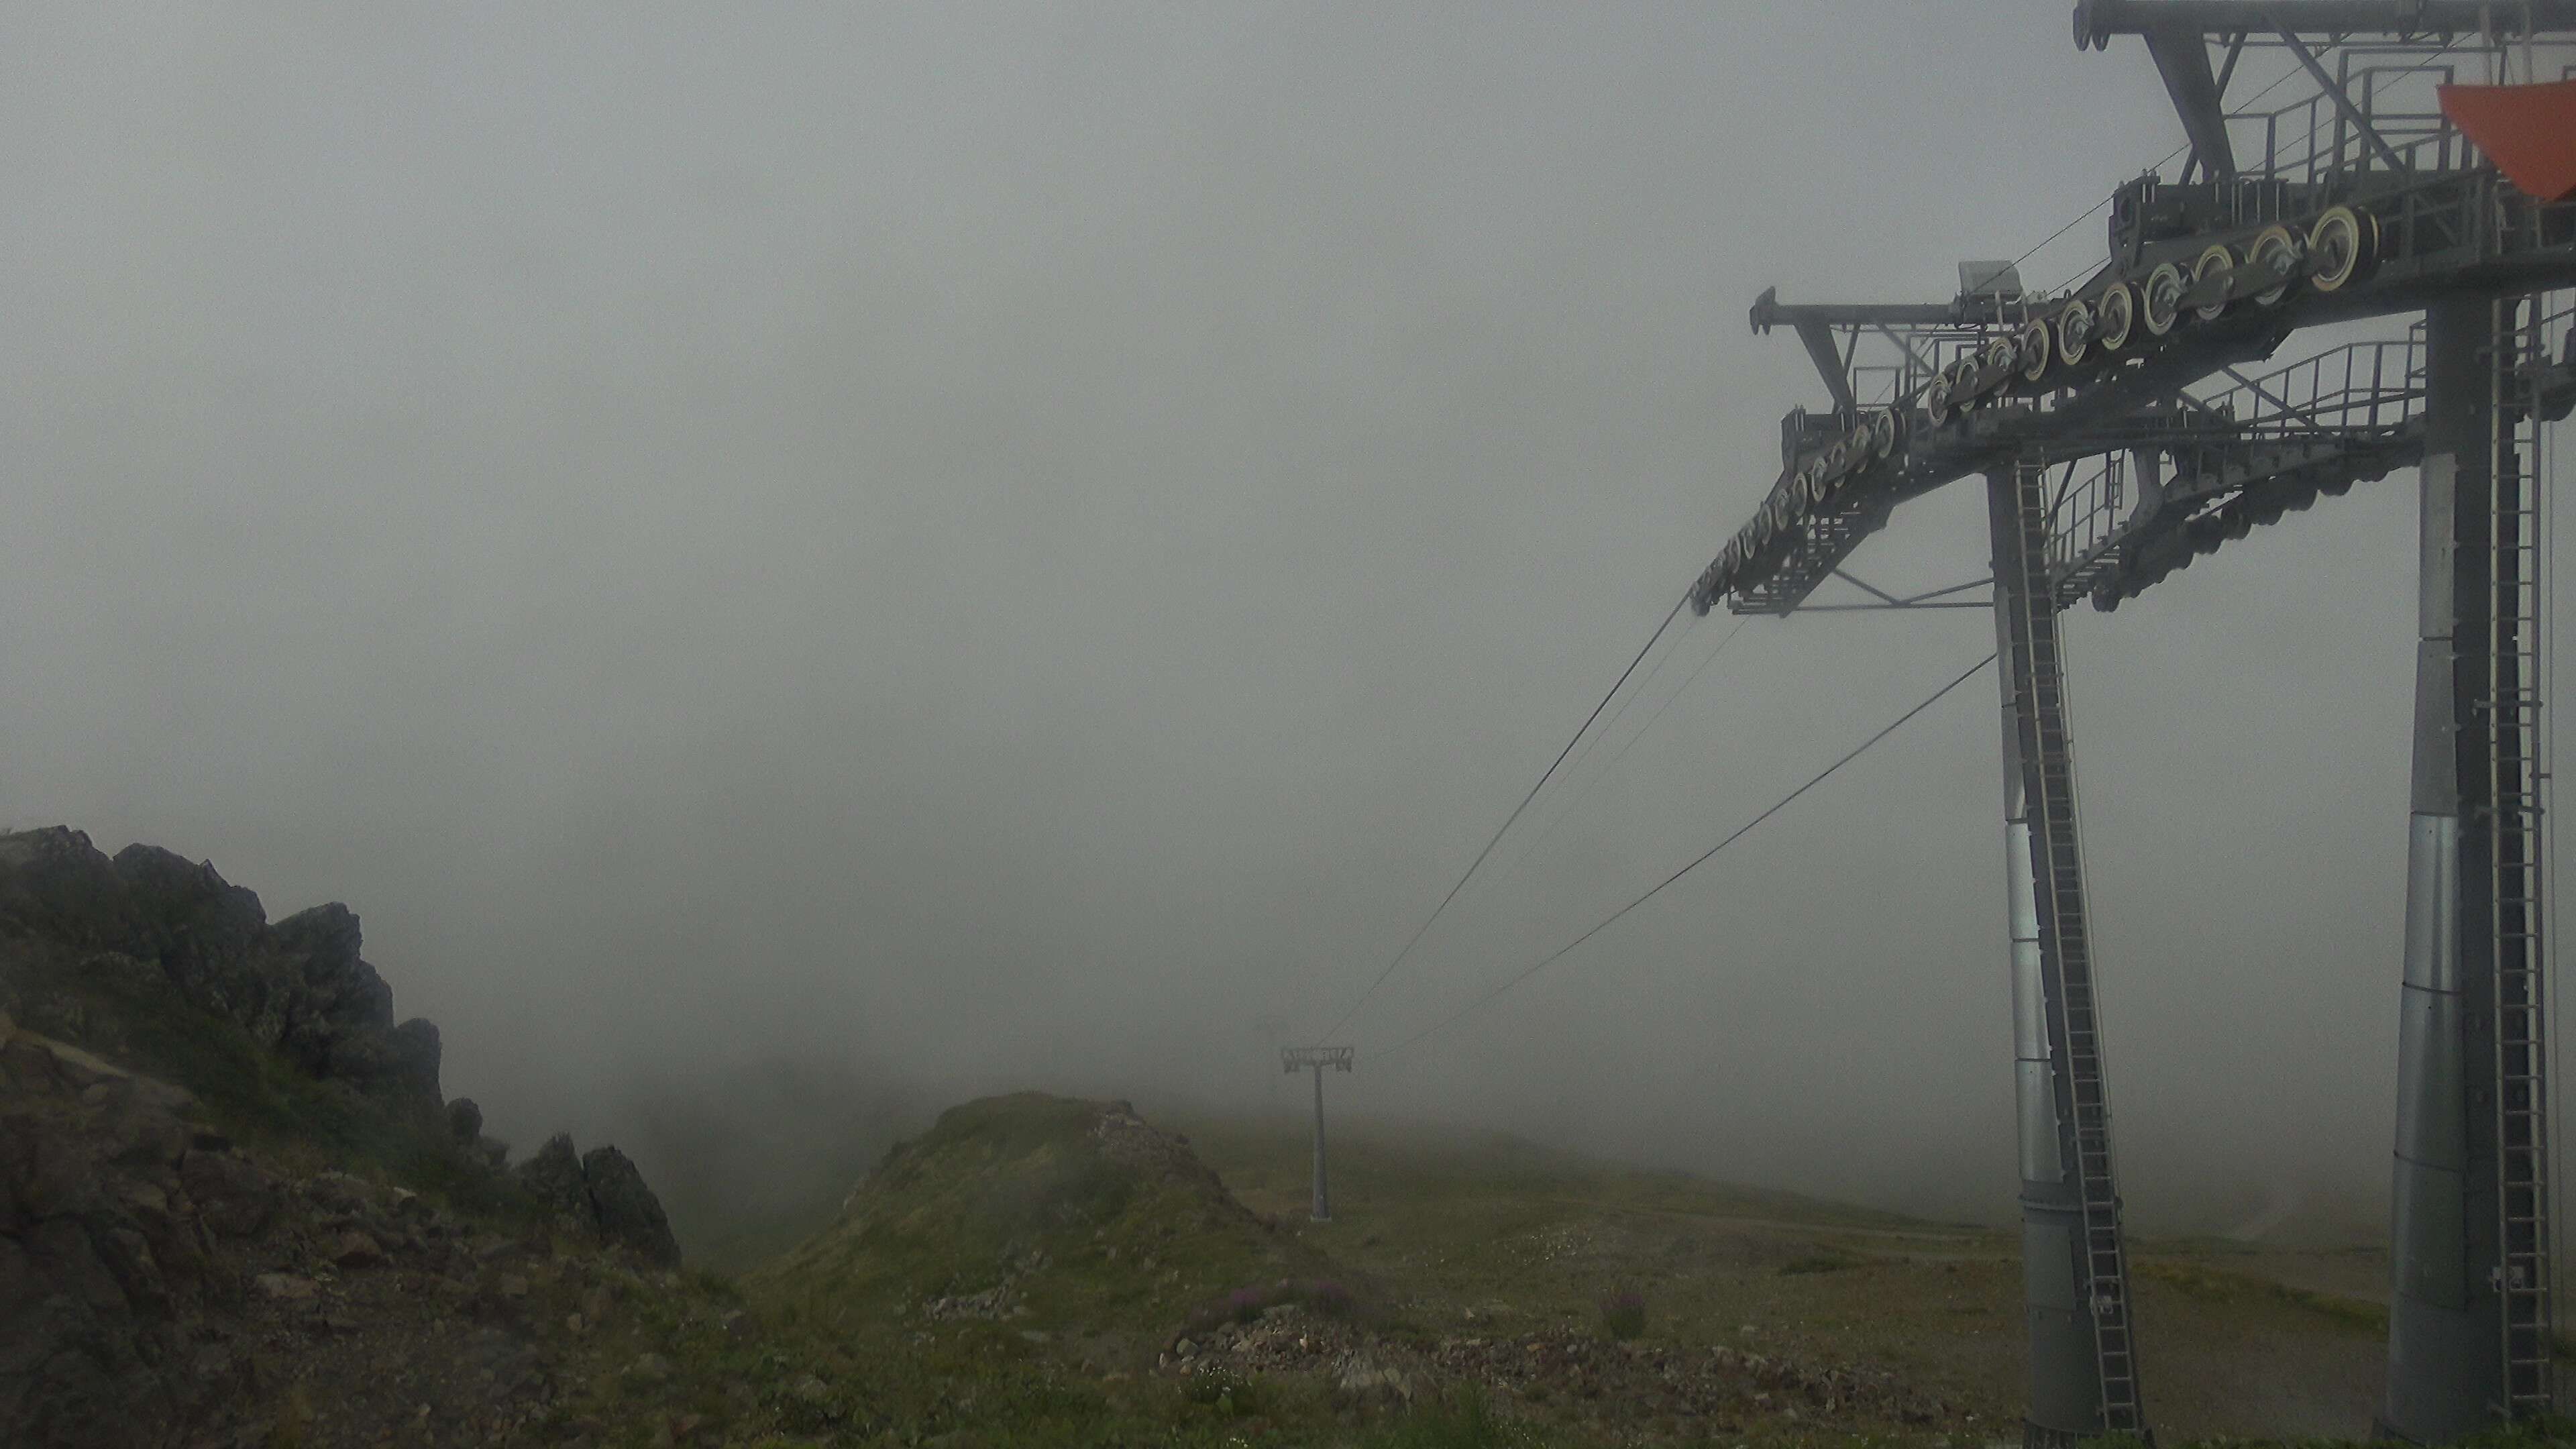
(2515, 780)
(2049, 787)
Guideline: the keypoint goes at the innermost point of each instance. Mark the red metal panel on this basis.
(2529, 131)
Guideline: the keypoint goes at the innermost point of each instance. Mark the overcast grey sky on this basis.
(1010, 543)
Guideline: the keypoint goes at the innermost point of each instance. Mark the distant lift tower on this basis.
(1296, 1059)
(2119, 437)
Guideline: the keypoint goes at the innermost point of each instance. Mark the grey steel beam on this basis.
(1323, 1196)
(1769, 312)
(1831, 365)
(2183, 60)
(2096, 21)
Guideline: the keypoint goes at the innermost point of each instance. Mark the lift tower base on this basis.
(2075, 1276)
(2469, 1314)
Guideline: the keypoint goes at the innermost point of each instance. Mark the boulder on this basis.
(553, 1176)
(93, 1250)
(233, 1197)
(1364, 1380)
(401, 1063)
(464, 1120)
(625, 1210)
(412, 1065)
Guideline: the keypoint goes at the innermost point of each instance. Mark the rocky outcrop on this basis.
(152, 925)
(553, 1178)
(625, 1210)
(464, 1120)
(55, 884)
(108, 1200)
(299, 986)
(210, 936)
(159, 1287)
(602, 1192)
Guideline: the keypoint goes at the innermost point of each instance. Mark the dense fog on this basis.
(799, 563)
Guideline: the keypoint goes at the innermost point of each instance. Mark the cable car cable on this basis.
(1741, 831)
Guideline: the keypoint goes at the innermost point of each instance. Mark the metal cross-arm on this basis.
(2044, 383)
(2096, 21)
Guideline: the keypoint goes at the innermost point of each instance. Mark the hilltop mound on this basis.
(1057, 1212)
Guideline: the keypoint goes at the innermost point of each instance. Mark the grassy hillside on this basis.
(1040, 1271)
(2234, 1340)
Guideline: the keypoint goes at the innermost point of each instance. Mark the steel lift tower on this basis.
(1294, 1059)
(2118, 437)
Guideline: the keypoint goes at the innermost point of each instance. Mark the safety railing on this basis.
(2087, 509)
(2361, 387)
(2395, 123)
(2362, 397)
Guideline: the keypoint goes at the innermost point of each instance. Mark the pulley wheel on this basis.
(2074, 332)
(1936, 401)
(2115, 312)
(2342, 245)
(2217, 261)
(2159, 301)
(1882, 433)
(2274, 245)
(1956, 378)
(2033, 345)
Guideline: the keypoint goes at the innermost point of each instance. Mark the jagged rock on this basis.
(210, 937)
(151, 919)
(554, 1178)
(341, 1004)
(401, 1063)
(91, 1249)
(356, 1250)
(603, 1192)
(56, 886)
(464, 1120)
(413, 1069)
(139, 1254)
(341, 1194)
(235, 1198)
(625, 1210)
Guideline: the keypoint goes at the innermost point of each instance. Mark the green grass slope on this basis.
(1046, 1213)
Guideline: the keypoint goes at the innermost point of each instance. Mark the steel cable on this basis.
(1584, 791)
(1741, 831)
(1507, 822)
